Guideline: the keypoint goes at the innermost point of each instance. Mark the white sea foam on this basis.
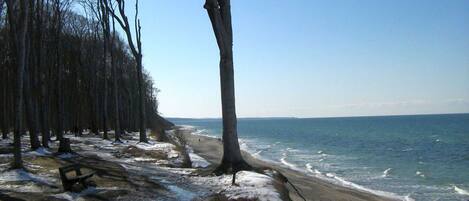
(257, 153)
(418, 173)
(310, 169)
(200, 132)
(285, 162)
(408, 149)
(460, 191)
(352, 185)
(386, 172)
(408, 198)
(292, 150)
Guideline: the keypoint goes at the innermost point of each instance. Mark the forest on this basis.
(64, 71)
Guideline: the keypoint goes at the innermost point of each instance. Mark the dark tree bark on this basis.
(58, 14)
(117, 120)
(30, 114)
(43, 96)
(5, 122)
(18, 17)
(219, 12)
(58, 84)
(106, 35)
(137, 53)
(4, 69)
(29, 100)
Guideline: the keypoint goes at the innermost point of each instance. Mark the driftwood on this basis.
(79, 178)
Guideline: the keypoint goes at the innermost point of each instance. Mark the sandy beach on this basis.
(310, 187)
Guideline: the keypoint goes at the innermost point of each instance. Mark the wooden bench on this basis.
(80, 178)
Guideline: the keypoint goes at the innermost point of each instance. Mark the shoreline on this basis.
(311, 187)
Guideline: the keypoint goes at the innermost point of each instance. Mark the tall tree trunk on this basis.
(220, 17)
(42, 98)
(104, 108)
(64, 146)
(3, 77)
(5, 85)
(105, 25)
(30, 114)
(59, 96)
(117, 124)
(19, 24)
(29, 100)
(141, 101)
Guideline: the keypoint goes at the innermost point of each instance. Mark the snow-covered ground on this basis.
(249, 185)
(156, 161)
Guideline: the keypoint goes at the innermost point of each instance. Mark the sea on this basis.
(411, 157)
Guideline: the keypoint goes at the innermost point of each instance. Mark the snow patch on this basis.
(250, 185)
(181, 194)
(41, 151)
(21, 175)
(73, 196)
(198, 161)
(66, 155)
(155, 146)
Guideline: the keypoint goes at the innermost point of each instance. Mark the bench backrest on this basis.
(69, 168)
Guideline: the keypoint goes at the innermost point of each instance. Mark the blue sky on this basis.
(308, 58)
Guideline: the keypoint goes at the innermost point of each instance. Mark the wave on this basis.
(460, 191)
(292, 150)
(386, 172)
(310, 169)
(333, 178)
(352, 185)
(407, 149)
(187, 127)
(197, 131)
(418, 173)
(408, 198)
(284, 161)
(257, 153)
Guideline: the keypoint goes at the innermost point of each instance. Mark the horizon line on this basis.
(320, 117)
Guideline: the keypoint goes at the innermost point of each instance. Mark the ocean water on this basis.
(419, 157)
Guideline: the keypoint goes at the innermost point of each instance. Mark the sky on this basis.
(309, 58)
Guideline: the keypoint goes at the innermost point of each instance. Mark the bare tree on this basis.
(137, 53)
(60, 6)
(43, 98)
(117, 124)
(106, 36)
(219, 12)
(18, 17)
(4, 87)
(29, 98)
